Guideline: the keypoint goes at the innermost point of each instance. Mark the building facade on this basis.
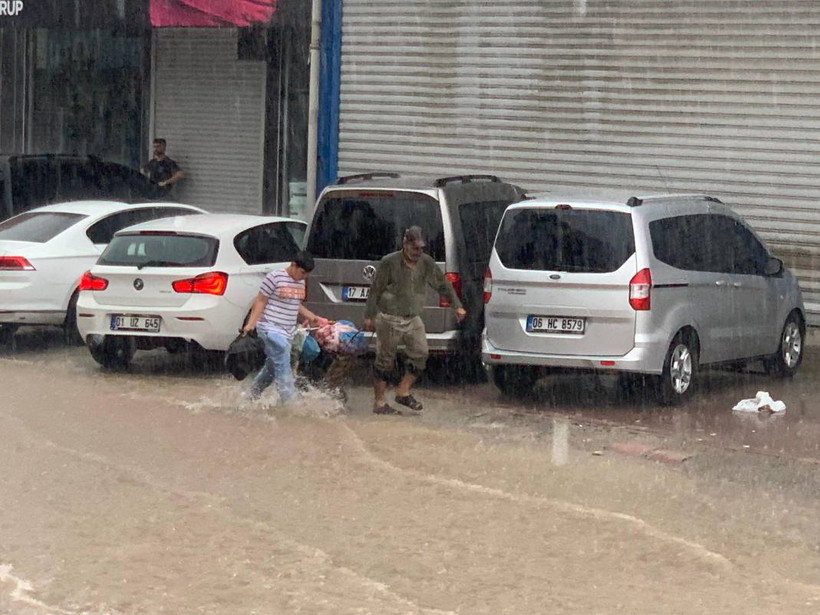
(598, 96)
(96, 77)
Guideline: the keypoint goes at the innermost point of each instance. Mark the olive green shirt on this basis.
(399, 289)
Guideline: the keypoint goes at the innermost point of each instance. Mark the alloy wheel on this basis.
(792, 344)
(680, 368)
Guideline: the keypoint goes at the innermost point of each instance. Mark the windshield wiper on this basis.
(159, 264)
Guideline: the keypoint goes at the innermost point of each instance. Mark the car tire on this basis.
(514, 380)
(680, 368)
(7, 333)
(789, 355)
(115, 352)
(71, 334)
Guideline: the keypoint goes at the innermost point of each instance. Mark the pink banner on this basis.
(174, 13)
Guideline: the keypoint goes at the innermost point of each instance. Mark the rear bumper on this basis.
(32, 317)
(643, 358)
(211, 325)
(437, 343)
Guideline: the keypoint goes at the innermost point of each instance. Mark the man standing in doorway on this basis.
(394, 309)
(161, 170)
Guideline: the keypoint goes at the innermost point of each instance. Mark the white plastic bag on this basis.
(762, 401)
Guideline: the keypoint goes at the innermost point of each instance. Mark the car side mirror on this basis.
(774, 266)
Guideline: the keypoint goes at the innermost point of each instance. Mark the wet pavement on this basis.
(160, 491)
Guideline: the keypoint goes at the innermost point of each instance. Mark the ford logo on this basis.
(555, 276)
(368, 272)
(139, 284)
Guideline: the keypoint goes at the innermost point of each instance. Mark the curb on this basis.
(644, 451)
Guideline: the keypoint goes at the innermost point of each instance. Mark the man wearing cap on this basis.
(394, 312)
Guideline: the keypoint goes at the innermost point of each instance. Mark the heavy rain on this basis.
(586, 230)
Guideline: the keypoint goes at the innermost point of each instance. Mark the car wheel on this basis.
(514, 380)
(680, 368)
(789, 355)
(114, 352)
(70, 332)
(7, 333)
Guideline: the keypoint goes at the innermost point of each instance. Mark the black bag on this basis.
(245, 355)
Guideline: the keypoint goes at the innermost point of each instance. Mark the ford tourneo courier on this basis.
(657, 286)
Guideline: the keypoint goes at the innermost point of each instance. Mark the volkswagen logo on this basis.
(368, 272)
(139, 284)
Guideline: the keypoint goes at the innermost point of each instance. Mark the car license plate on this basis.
(355, 293)
(135, 322)
(555, 324)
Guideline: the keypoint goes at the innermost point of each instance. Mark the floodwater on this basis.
(160, 491)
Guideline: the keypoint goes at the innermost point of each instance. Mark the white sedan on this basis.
(181, 284)
(44, 252)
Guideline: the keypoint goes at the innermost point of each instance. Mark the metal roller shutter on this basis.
(622, 96)
(210, 107)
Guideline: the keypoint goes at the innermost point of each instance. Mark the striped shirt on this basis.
(285, 295)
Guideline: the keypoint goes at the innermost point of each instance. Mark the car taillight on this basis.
(211, 283)
(455, 280)
(488, 285)
(15, 263)
(92, 282)
(640, 289)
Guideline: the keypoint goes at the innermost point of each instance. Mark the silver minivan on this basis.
(657, 286)
(362, 218)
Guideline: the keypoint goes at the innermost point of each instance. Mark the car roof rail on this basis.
(466, 179)
(347, 179)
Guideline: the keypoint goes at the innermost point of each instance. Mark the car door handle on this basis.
(720, 282)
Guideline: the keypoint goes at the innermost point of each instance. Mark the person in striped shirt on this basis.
(277, 307)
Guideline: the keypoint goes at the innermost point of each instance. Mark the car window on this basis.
(37, 227)
(268, 243)
(682, 242)
(33, 183)
(160, 250)
(736, 249)
(368, 225)
(580, 241)
(479, 225)
(76, 180)
(103, 230)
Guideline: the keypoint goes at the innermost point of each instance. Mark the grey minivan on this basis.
(362, 218)
(656, 286)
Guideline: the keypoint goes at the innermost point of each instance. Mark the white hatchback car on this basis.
(182, 284)
(44, 252)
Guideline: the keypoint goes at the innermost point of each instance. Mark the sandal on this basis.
(411, 402)
(386, 409)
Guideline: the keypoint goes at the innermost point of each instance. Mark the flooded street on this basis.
(161, 491)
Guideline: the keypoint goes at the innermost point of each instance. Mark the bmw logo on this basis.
(139, 284)
(368, 272)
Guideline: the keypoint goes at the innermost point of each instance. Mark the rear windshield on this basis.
(368, 225)
(160, 250)
(37, 227)
(565, 240)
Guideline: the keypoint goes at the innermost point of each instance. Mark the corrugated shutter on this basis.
(624, 96)
(210, 107)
